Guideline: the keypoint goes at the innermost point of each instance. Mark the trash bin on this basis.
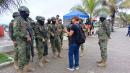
(1, 31)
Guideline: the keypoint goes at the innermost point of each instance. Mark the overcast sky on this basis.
(46, 8)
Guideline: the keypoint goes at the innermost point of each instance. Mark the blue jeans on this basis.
(73, 55)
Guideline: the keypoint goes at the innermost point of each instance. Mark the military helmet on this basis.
(60, 19)
(43, 18)
(103, 14)
(23, 8)
(48, 19)
(40, 18)
(53, 19)
(15, 14)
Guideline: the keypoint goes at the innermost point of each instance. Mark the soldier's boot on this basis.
(45, 60)
(16, 65)
(82, 54)
(54, 54)
(61, 48)
(27, 68)
(59, 55)
(99, 61)
(20, 71)
(102, 64)
(40, 62)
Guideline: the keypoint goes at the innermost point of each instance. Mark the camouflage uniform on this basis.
(48, 37)
(41, 31)
(54, 31)
(15, 15)
(22, 35)
(62, 32)
(103, 36)
(59, 32)
(82, 45)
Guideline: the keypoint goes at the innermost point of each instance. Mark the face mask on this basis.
(41, 22)
(24, 14)
(49, 22)
(53, 22)
(102, 19)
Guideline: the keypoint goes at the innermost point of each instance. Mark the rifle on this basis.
(31, 43)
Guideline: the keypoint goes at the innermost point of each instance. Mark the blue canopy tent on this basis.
(75, 13)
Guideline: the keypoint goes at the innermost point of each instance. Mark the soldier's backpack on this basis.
(81, 37)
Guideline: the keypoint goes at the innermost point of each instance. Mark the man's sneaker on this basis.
(77, 68)
(71, 69)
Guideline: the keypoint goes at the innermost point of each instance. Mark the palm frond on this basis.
(90, 5)
(102, 9)
(123, 16)
(79, 8)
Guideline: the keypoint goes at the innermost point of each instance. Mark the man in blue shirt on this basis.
(73, 47)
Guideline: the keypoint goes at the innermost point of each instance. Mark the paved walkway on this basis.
(118, 57)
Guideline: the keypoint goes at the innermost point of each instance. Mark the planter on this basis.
(5, 60)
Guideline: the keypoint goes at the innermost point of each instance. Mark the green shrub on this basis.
(4, 58)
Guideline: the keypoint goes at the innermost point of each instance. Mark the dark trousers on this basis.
(45, 49)
(128, 34)
(73, 55)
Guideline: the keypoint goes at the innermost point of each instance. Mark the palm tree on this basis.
(9, 4)
(125, 18)
(112, 4)
(88, 6)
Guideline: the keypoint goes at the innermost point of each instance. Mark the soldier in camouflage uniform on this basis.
(23, 39)
(41, 31)
(103, 36)
(62, 32)
(82, 45)
(15, 15)
(59, 35)
(54, 31)
(59, 21)
(48, 35)
(48, 24)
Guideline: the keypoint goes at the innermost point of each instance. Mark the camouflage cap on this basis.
(23, 8)
(16, 14)
(40, 18)
(53, 19)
